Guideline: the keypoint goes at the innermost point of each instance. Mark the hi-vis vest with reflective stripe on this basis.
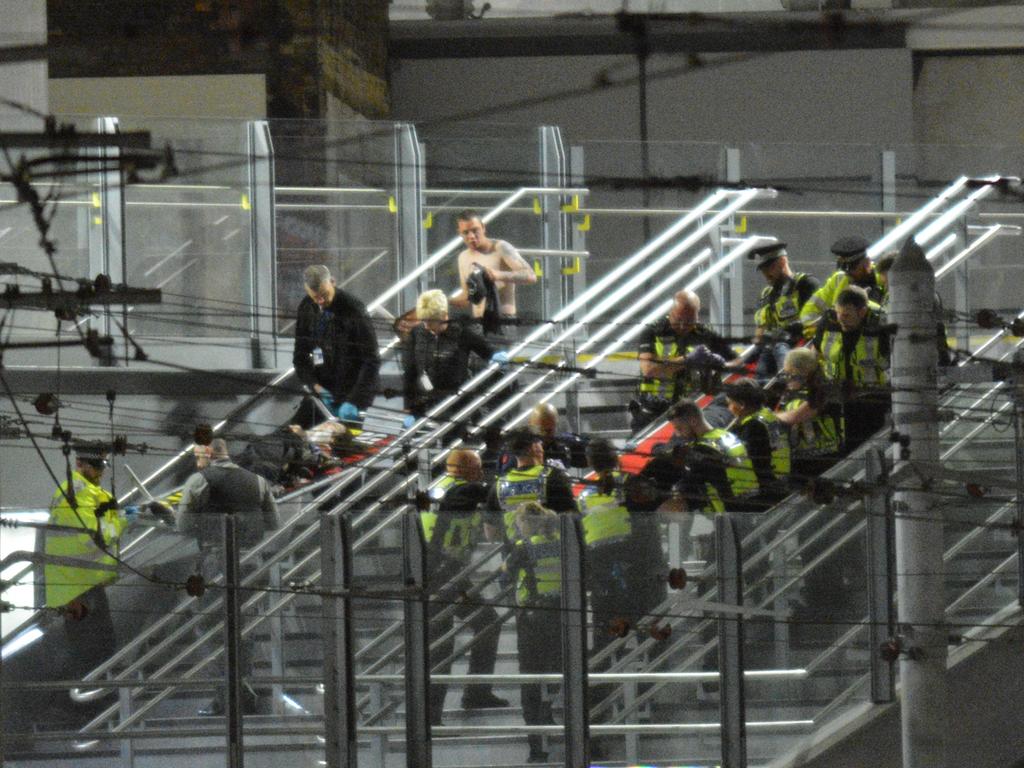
(816, 437)
(517, 486)
(739, 470)
(864, 364)
(605, 517)
(460, 535)
(667, 388)
(64, 583)
(825, 297)
(778, 441)
(784, 309)
(543, 581)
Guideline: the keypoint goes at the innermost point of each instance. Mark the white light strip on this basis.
(932, 230)
(989, 233)
(943, 245)
(898, 232)
(23, 640)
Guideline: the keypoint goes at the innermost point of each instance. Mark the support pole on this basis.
(409, 239)
(574, 644)
(1018, 426)
(341, 749)
(418, 753)
(919, 545)
(732, 703)
(553, 236)
(881, 572)
(232, 646)
(262, 247)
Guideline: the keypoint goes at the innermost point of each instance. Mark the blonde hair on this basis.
(534, 519)
(804, 361)
(432, 305)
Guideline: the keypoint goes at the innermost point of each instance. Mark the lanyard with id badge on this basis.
(322, 328)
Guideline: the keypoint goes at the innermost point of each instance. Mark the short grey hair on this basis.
(219, 448)
(315, 276)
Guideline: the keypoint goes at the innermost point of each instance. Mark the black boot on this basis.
(537, 753)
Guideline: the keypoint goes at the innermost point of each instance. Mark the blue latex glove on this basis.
(408, 421)
(348, 412)
(131, 512)
(500, 357)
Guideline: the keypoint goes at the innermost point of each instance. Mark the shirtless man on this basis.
(501, 260)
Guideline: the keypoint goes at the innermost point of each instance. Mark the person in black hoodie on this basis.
(336, 352)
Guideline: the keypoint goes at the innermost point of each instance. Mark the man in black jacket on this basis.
(336, 352)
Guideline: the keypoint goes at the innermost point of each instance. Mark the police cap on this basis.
(92, 452)
(766, 254)
(849, 250)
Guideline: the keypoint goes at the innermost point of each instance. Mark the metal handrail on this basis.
(855, 530)
(738, 199)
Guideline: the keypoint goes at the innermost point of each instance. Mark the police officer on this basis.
(529, 480)
(535, 567)
(451, 528)
(854, 268)
(778, 310)
(221, 487)
(92, 531)
(765, 438)
(566, 448)
(854, 345)
(678, 356)
(810, 414)
(720, 475)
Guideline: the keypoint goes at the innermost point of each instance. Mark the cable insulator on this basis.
(195, 585)
(677, 578)
(890, 650)
(988, 319)
(618, 627)
(660, 633)
(46, 404)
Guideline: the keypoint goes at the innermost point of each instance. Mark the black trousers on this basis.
(539, 642)
(90, 640)
(481, 619)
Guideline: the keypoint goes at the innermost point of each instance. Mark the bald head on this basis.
(544, 420)
(685, 309)
(465, 464)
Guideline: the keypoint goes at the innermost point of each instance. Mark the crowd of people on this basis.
(745, 429)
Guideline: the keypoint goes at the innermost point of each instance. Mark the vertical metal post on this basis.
(734, 280)
(730, 645)
(553, 234)
(962, 292)
(409, 240)
(418, 753)
(232, 646)
(277, 644)
(262, 247)
(1018, 426)
(573, 275)
(124, 697)
(919, 527)
(881, 570)
(574, 644)
(106, 216)
(341, 749)
(888, 188)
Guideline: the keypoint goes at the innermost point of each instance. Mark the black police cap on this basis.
(519, 440)
(766, 254)
(850, 250)
(746, 392)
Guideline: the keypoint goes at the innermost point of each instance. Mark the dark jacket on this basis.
(443, 359)
(344, 332)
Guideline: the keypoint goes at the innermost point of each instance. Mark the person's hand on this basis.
(161, 511)
(348, 412)
(326, 398)
(130, 512)
(490, 273)
(500, 357)
(408, 421)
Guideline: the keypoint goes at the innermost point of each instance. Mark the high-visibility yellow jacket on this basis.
(605, 517)
(825, 297)
(63, 582)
